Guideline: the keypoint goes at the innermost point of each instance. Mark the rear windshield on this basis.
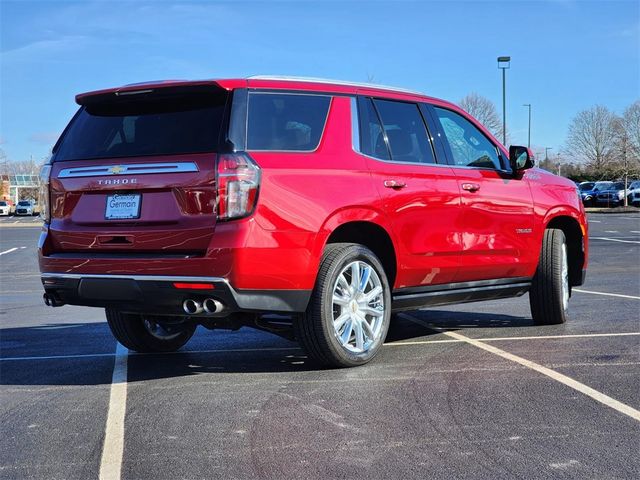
(151, 125)
(286, 121)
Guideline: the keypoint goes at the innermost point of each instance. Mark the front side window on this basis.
(286, 121)
(469, 146)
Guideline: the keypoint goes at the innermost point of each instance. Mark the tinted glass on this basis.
(406, 132)
(3, 204)
(145, 126)
(469, 147)
(372, 141)
(585, 187)
(286, 122)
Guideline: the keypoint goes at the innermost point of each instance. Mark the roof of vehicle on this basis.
(269, 82)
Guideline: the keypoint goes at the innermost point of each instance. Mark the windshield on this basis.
(3, 204)
(157, 125)
(24, 204)
(602, 185)
(584, 187)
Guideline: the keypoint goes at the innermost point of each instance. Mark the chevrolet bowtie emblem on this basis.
(116, 170)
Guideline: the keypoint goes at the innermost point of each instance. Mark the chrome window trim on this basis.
(128, 169)
(355, 126)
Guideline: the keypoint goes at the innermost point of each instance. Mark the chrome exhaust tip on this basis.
(52, 300)
(211, 305)
(191, 307)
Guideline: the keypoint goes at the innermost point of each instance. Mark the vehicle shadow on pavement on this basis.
(83, 353)
(420, 323)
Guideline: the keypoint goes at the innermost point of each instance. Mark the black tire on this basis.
(315, 329)
(135, 332)
(550, 288)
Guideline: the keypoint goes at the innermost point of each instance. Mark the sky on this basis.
(567, 56)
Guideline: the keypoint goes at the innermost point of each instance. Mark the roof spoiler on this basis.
(127, 92)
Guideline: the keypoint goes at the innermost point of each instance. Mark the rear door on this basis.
(135, 172)
(498, 218)
(419, 195)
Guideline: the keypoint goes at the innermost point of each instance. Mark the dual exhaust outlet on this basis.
(209, 305)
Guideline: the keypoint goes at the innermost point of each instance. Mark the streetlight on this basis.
(504, 63)
(546, 153)
(529, 137)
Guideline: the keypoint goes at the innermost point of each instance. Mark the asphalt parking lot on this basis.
(470, 391)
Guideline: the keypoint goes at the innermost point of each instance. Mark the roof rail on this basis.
(334, 82)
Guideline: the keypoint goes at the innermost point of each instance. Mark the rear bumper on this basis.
(154, 294)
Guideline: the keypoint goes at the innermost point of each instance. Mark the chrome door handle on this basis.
(471, 187)
(395, 184)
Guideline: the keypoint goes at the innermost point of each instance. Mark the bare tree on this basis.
(591, 137)
(631, 122)
(484, 111)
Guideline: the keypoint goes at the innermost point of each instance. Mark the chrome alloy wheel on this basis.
(160, 331)
(565, 277)
(358, 307)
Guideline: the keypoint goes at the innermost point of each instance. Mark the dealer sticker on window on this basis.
(123, 206)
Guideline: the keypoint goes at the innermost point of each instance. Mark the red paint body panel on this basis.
(440, 232)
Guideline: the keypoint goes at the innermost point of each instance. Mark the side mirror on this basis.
(520, 158)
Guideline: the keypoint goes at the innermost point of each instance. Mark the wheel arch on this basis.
(366, 227)
(576, 245)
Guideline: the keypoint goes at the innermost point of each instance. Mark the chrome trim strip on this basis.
(334, 82)
(128, 169)
(355, 126)
(149, 278)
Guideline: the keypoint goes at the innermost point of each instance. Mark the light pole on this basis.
(546, 155)
(504, 63)
(529, 136)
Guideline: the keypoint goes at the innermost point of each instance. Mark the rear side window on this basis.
(402, 136)
(149, 125)
(405, 131)
(469, 147)
(286, 121)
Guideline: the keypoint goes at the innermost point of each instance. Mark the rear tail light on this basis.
(238, 184)
(44, 199)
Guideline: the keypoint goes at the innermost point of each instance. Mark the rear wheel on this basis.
(550, 290)
(146, 333)
(348, 316)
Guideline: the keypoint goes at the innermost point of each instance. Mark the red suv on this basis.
(309, 208)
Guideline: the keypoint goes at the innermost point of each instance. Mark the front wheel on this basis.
(349, 312)
(550, 290)
(145, 333)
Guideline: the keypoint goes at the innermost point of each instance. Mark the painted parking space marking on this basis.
(618, 295)
(614, 240)
(504, 339)
(559, 377)
(9, 251)
(113, 447)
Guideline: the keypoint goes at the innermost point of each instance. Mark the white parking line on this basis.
(559, 377)
(611, 231)
(9, 251)
(614, 240)
(113, 448)
(634, 231)
(504, 339)
(619, 295)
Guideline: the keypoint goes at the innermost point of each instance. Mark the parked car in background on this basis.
(25, 207)
(633, 193)
(589, 196)
(5, 208)
(610, 196)
(586, 190)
